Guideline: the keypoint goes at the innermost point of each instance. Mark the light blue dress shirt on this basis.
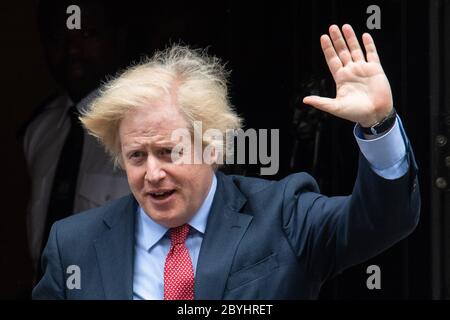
(386, 154)
(153, 244)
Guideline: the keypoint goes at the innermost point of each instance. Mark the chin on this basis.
(167, 219)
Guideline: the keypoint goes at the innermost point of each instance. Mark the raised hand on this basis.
(363, 93)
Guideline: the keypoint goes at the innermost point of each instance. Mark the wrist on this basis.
(381, 126)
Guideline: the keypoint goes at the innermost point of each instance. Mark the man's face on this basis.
(169, 193)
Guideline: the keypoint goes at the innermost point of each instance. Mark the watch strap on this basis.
(381, 126)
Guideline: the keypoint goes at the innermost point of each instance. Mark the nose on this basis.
(155, 170)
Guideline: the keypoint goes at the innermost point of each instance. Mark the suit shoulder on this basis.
(300, 182)
(89, 222)
(297, 181)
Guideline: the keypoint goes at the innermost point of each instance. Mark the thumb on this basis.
(324, 104)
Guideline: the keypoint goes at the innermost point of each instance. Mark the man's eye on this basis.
(136, 154)
(166, 151)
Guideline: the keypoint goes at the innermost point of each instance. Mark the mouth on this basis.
(160, 196)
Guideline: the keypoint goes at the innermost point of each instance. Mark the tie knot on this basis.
(179, 234)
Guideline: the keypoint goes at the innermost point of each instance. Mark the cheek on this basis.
(198, 181)
(135, 177)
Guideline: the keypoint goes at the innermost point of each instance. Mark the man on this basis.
(190, 232)
(69, 170)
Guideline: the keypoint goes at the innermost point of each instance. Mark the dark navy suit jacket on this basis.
(263, 239)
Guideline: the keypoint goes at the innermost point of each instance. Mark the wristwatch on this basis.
(381, 126)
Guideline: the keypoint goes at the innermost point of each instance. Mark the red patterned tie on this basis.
(178, 271)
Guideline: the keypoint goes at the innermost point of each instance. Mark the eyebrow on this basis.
(161, 143)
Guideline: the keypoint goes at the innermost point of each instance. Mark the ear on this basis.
(214, 155)
(211, 155)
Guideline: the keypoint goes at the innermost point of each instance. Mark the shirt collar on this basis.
(149, 232)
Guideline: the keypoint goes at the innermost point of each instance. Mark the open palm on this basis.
(363, 93)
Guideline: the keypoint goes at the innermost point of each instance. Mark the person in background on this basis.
(69, 170)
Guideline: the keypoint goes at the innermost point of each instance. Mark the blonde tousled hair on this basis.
(198, 82)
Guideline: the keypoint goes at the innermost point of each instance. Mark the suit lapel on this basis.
(115, 251)
(225, 228)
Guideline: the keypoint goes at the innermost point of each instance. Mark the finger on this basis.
(340, 45)
(353, 43)
(371, 50)
(324, 104)
(333, 61)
